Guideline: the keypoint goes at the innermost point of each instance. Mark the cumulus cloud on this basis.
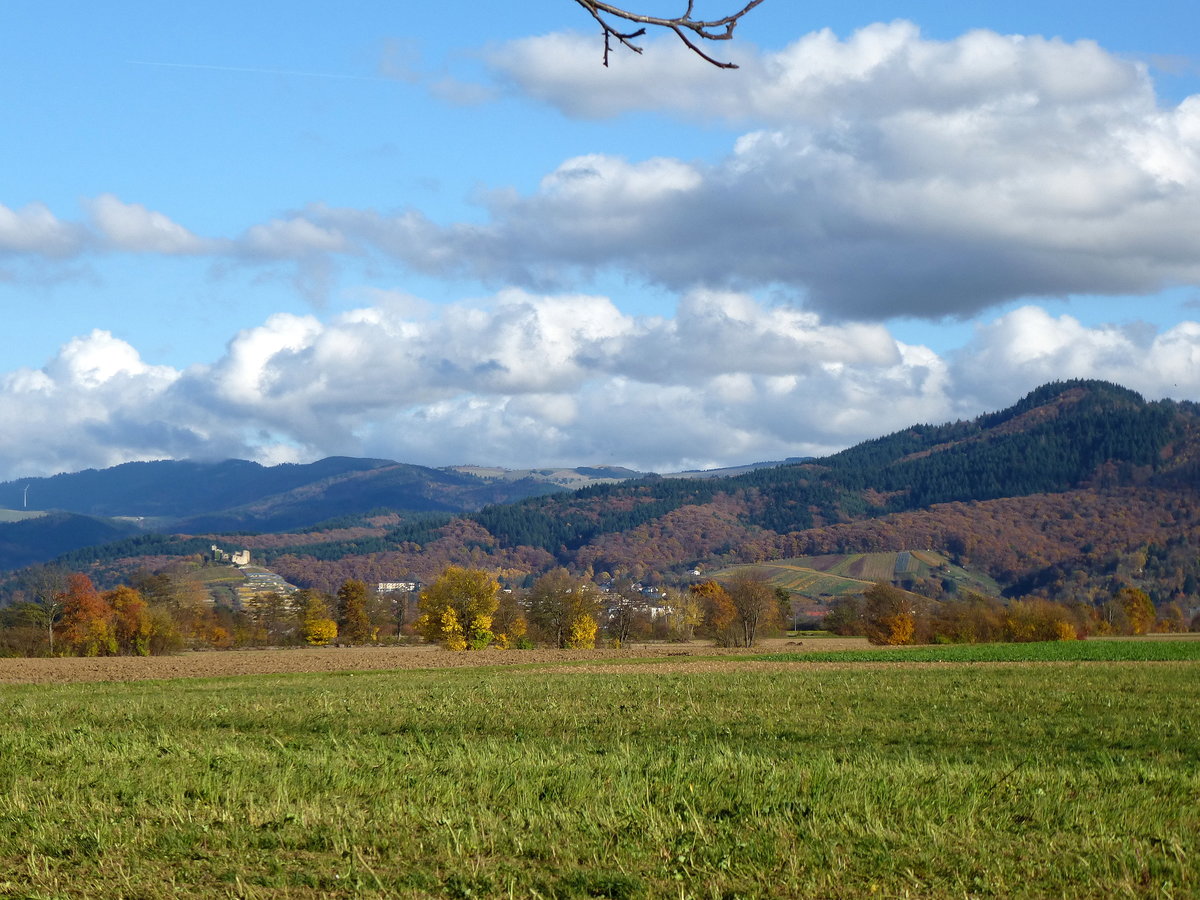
(1028, 347)
(878, 69)
(96, 403)
(135, 229)
(888, 174)
(532, 379)
(878, 175)
(568, 378)
(36, 231)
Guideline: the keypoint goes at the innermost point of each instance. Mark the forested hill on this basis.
(172, 488)
(236, 495)
(1069, 456)
(1062, 436)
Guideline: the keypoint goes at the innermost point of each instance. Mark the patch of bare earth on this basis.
(219, 664)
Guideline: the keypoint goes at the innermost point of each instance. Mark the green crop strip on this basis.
(957, 781)
(1126, 650)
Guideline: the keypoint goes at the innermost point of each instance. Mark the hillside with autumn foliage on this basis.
(1077, 489)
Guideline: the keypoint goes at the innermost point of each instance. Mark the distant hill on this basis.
(1078, 476)
(171, 489)
(730, 471)
(37, 539)
(1061, 437)
(236, 495)
(568, 478)
(190, 497)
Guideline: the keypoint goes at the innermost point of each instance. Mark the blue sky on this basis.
(446, 234)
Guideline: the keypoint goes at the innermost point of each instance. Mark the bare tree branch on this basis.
(685, 27)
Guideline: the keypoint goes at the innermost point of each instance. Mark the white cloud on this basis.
(890, 174)
(135, 229)
(1028, 347)
(91, 362)
(291, 238)
(35, 230)
(886, 174)
(529, 379)
(95, 404)
(878, 69)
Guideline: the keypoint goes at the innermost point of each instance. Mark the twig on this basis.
(685, 27)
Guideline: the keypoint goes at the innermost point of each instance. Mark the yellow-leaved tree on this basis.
(1139, 611)
(457, 609)
(317, 627)
(890, 614)
(565, 609)
(354, 625)
(582, 635)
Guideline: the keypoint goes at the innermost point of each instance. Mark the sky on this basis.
(447, 234)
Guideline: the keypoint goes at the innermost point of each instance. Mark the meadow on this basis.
(1072, 779)
(1173, 648)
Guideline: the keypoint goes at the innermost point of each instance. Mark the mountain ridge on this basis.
(1074, 448)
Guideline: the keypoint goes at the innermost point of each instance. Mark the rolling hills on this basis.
(1075, 485)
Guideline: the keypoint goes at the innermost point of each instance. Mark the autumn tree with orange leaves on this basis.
(87, 620)
(719, 613)
(131, 622)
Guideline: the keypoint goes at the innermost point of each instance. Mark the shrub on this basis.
(319, 632)
(582, 634)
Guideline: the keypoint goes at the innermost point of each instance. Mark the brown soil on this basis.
(217, 664)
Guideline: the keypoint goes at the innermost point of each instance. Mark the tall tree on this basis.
(684, 614)
(87, 621)
(889, 614)
(510, 624)
(45, 612)
(272, 617)
(132, 625)
(720, 615)
(565, 609)
(354, 624)
(1139, 611)
(623, 603)
(457, 608)
(317, 627)
(755, 604)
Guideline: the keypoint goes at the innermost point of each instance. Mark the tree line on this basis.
(463, 608)
(467, 608)
(887, 615)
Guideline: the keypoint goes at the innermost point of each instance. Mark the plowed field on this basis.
(216, 664)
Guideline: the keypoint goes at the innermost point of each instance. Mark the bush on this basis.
(320, 632)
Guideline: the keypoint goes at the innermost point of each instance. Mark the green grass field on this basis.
(1076, 779)
(1176, 648)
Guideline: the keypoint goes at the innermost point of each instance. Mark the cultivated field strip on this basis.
(732, 779)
